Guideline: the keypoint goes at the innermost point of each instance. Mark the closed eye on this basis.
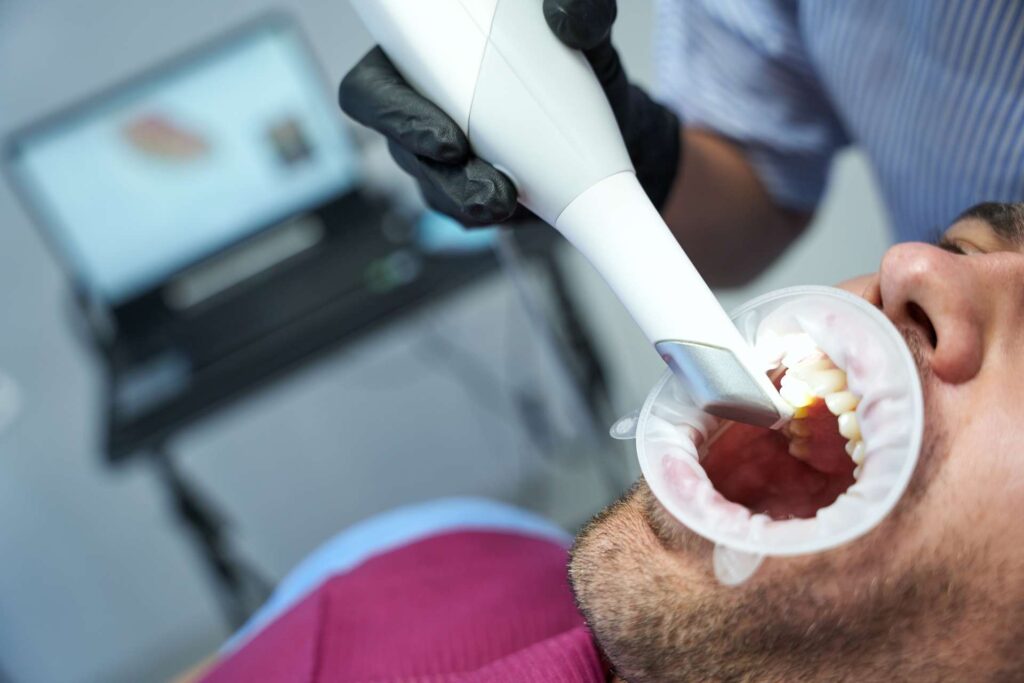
(950, 246)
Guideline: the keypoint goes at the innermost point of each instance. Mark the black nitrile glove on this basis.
(428, 144)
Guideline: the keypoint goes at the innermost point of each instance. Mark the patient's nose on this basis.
(936, 293)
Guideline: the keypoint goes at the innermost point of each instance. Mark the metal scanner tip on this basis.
(719, 384)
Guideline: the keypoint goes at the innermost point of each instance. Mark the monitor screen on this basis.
(157, 175)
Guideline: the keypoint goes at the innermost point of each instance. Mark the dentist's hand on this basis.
(428, 144)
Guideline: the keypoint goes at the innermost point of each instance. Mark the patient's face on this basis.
(935, 592)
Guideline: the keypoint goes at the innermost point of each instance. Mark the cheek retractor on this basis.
(838, 353)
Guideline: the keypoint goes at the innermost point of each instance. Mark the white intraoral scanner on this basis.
(534, 108)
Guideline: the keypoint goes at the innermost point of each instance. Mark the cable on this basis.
(593, 403)
(480, 381)
(240, 589)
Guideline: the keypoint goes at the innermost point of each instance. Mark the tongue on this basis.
(753, 467)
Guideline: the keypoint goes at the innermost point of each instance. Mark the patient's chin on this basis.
(646, 588)
(633, 562)
(914, 599)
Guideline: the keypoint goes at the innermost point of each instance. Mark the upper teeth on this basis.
(855, 449)
(848, 426)
(825, 382)
(814, 377)
(796, 392)
(841, 402)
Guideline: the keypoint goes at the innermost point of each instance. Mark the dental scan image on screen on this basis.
(161, 174)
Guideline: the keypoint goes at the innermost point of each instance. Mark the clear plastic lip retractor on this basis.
(669, 430)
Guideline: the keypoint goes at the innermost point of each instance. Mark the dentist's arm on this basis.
(722, 215)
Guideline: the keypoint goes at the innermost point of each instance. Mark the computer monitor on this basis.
(158, 174)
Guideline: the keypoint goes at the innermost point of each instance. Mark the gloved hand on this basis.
(428, 144)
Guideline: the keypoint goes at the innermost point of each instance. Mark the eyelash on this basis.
(951, 247)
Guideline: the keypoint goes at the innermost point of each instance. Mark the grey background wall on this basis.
(95, 585)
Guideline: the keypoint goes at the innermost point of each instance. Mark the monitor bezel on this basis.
(208, 49)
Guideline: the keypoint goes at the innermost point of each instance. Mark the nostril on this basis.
(917, 314)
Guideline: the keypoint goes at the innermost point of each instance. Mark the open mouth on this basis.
(794, 472)
(838, 468)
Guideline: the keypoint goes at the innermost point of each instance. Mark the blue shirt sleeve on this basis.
(741, 69)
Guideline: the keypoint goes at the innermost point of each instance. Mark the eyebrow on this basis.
(1006, 220)
(1013, 235)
